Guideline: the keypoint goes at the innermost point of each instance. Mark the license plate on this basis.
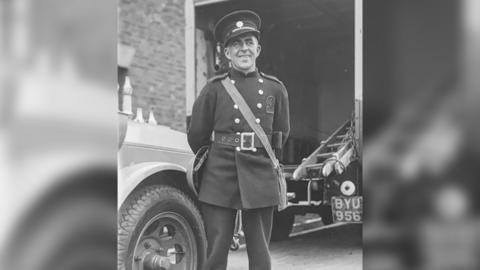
(347, 209)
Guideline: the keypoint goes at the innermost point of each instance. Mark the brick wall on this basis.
(156, 29)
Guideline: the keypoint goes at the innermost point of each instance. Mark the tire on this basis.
(326, 214)
(282, 225)
(156, 221)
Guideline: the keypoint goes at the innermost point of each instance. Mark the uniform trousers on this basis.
(220, 224)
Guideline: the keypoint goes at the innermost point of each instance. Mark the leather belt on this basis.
(242, 140)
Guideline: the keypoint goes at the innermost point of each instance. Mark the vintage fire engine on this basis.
(159, 224)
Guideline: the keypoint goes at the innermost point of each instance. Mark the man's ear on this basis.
(259, 49)
(226, 51)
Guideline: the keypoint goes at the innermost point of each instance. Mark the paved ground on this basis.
(311, 246)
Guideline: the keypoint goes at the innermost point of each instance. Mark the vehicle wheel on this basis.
(326, 214)
(159, 227)
(282, 225)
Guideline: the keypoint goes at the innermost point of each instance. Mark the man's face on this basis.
(242, 51)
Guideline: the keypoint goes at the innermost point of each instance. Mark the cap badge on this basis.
(239, 24)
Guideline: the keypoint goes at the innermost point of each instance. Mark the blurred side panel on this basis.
(58, 134)
(420, 119)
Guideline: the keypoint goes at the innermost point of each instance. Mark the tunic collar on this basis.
(235, 74)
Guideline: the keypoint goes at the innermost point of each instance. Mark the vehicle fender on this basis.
(132, 176)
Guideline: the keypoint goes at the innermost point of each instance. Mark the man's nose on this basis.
(243, 46)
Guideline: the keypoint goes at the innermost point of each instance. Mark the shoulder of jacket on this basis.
(272, 78)
(218, 77)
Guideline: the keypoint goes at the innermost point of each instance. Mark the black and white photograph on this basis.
(241, 135)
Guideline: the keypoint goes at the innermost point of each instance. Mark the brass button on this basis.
(235, 107)
(260, 80)
(237, 148)
(260, 92)
(257, 120)
(259, 105)
(237, 120)
(233, 81)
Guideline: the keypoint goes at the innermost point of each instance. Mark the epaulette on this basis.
(273, 78)
(218, 77)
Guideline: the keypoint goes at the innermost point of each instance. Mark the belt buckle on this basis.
(247, 141)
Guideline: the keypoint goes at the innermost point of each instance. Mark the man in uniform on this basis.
(235, 177)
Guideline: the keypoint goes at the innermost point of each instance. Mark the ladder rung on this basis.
(322, 155)
(337, 137)
(335, 144)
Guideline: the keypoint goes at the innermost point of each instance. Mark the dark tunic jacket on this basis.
(238, 179)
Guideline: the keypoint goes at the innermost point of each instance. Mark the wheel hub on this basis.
(166, 242)
(154, 258)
